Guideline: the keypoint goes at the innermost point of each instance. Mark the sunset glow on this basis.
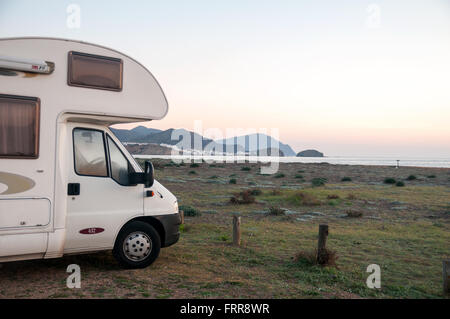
(340, 78)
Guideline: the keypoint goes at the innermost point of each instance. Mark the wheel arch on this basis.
(152, 221)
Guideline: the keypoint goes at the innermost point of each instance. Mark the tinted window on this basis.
(89, 152)
(120, 167)
(94, 71)
(19, 126)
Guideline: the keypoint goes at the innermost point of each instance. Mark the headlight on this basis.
(175, 205)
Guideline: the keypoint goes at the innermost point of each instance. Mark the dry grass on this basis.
(304, 199)
(275, 192)
(408, 245)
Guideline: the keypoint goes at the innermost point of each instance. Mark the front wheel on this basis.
(137, 245)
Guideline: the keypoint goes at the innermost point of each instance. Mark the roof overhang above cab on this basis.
(97, 119)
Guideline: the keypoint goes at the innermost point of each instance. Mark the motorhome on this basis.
(67, 184)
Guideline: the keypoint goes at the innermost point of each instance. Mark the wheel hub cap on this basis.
(137, 246)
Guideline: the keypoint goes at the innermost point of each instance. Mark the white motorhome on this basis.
(67, 184)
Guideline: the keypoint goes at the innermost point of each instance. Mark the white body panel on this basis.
(28, 212)
(44, 220)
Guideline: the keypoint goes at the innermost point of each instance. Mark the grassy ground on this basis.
(404, 229)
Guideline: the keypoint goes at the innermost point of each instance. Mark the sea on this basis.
(343, 160)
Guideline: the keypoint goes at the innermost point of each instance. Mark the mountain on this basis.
(133, 135)
(253, 142)
(148, 149)
(310, 153)
(175, 136)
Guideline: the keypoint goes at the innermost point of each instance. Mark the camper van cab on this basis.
(67, 184)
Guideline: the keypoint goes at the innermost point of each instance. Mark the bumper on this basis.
(171, 224)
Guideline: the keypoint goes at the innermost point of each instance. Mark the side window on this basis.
(19, 126)
(89, 150)
(120, 167)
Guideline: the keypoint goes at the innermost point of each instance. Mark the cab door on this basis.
(101, 198)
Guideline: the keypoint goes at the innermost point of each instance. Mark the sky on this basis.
(348, 78)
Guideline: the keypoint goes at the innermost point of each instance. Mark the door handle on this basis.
(73, 189)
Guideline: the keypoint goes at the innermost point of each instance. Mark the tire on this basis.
(137, 245)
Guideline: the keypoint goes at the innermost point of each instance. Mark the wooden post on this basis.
(182, 217)
(446, 275)
(236, 230)
(321, 248)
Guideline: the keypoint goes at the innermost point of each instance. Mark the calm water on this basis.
(385, 161)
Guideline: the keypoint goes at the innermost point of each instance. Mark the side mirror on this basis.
(149, 174)
(147, 177)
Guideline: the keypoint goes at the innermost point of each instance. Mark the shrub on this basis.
(246, 168)
(306, 256)
(247, 198)
(256, 192)
(300, 171)
(189, 211)
(276, 211)
(333, 196)
(194, 165)
(305, 199)
(214, 177)
(184, 228)
(279, 175)
(411, 178)
(400, 184)
(318, 181)
(298, 176)
(346, 179)
(242, 198)
(431, 176)
(327, 257)
(192, 172)
(390, 180)
(251, 183)
(233, 181)
(354, 213)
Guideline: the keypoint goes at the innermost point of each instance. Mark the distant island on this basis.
(309, 153)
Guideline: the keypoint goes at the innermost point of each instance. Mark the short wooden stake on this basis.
(321, 248)
(182, 217)
(446, 275)
(236, 230)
